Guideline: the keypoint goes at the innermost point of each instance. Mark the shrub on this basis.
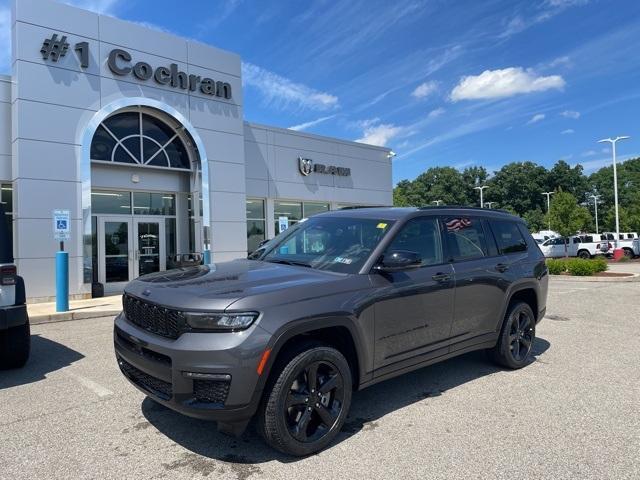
(576, 266)
(556, 266)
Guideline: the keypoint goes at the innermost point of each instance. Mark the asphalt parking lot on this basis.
(573, 413)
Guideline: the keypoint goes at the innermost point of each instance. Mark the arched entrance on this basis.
(144, 170)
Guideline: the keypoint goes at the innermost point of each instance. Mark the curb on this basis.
(69, 316)
(632, 277)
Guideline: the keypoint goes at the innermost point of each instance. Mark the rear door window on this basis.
(508, 236)
(465, 238)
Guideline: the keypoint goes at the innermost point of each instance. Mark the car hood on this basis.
(217, 286)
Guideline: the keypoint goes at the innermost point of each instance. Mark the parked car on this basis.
(340, 302)
(15, 338)
(583, 246)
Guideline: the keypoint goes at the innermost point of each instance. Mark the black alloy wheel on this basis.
(306, 405)
(516, 338)
(314, 401)
(520, 336)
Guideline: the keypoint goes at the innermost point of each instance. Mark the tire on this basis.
(584, 254)
(628, 252)
(15, 344)
(516, 337)
(289, 420)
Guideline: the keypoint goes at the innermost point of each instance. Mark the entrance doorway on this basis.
(129, 247)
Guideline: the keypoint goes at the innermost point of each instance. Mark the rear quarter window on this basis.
(508, 236)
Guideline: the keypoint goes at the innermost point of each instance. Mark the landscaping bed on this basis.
(578, 267)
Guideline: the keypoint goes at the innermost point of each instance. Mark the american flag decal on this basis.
(457, 224)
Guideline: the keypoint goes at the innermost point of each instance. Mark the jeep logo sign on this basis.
(306, 166)
(119, 63)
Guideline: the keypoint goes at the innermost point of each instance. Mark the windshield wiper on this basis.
(289, 262)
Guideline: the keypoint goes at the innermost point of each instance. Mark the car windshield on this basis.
(335, 244)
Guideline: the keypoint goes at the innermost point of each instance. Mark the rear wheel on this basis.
(584, 254)
(308, 403)
(516, 337)
(628, 252)
(15, 344)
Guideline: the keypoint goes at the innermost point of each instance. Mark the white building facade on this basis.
(140, 136)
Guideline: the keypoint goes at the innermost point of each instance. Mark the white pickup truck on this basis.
(628, 241)
(583, 246)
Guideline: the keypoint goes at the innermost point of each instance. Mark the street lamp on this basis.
(481, 191)
(595, 204)
(613, 141)
(548, 194)
(437, 202)
(490, 204)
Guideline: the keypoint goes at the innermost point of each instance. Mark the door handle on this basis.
(502, 267)
(441, 277)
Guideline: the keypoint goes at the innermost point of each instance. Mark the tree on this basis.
(535, 220)
(437, 183)
(519, 186)
(563, 177)
(566, 216)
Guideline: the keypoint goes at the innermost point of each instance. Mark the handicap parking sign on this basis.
(61, 225)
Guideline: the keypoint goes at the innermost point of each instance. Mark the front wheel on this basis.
(308, 403)
(516, 337)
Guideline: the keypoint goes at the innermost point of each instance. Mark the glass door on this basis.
(150, 246)
(114, 253)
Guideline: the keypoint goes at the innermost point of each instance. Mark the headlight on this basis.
(227, 322)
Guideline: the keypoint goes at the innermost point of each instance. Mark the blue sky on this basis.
(455, 83)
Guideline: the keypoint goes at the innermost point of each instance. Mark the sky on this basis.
(441, 82)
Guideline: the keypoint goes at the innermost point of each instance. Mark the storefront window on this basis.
(154, 203)
(311, 208)
(256, 223)
(6, 197)
(110, 203)
(292, 211)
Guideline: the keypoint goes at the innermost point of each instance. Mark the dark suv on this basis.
(338, 302)
(15, 339)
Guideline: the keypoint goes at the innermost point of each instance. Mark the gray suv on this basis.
(337, 303)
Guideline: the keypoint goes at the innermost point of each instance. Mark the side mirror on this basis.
(399, 260)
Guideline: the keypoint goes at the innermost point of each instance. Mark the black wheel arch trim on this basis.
(515, 288)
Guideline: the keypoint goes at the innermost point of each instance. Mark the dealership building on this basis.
(139, 137)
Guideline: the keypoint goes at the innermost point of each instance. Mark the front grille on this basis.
(147, 382)
(211, 391)
(153, 318)
(145, 352)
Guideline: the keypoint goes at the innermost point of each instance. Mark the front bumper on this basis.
(159, 367)
(14, 316)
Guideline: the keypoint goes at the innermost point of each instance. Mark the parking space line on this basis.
(91, 385)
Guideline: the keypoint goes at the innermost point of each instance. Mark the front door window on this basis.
(116, 251)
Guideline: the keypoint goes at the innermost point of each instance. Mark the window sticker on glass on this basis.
(346, 261)
(381, 226)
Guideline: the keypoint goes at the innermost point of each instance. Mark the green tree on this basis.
(437, 183)
(519, 186)
(566, 216)
(535, 220)
(568, 179)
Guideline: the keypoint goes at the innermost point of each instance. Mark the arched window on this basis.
(139, 138)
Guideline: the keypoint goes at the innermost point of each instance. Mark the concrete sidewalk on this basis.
(78, 309)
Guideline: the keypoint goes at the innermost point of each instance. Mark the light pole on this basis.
(595, 204)
(481, 191)
(490, 204)
(548, 194)
(437, 202)
(613, 141)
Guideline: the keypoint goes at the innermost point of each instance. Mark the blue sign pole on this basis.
(206, 257)
(62, 281)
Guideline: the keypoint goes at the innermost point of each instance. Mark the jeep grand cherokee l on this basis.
(339, 302)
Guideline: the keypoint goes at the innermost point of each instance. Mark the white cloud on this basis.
(436, 113)
(98, 6)
(312, 123)
(281, 91)
(379, 133)
(536, 118)
(588, 153)
(568, 131)
(503, 83)
(570, 114)
(425, 89)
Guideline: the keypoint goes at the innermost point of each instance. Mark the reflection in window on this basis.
(465, 238)
(111, 203)
(140, 139)
(145, 203)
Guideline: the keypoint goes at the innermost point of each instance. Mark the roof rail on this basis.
(466, 207)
